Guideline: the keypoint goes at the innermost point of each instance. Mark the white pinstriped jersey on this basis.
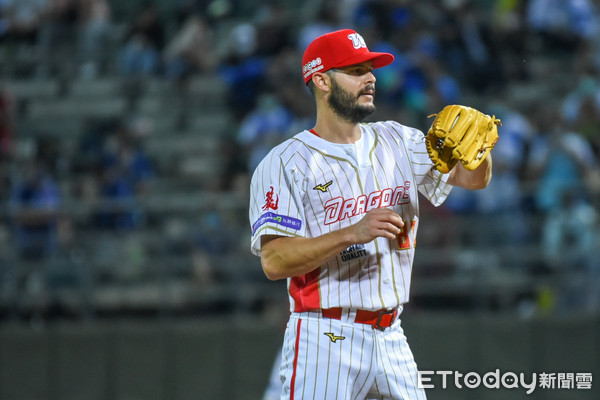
(307, 187)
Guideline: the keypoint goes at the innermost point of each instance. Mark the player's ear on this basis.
(322, 81)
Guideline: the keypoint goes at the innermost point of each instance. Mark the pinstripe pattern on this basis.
(392, 163)
(365, 364)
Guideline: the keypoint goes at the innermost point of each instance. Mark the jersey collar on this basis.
(330, 149)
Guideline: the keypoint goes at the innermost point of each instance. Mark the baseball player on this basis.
(334, 210)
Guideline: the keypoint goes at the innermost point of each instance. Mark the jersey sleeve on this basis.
(275, 200)
(431, 183)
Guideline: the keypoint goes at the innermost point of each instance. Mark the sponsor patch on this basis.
(354, 252)
(310, 71)
(283, 220)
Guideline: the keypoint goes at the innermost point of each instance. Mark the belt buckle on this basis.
(383, 312)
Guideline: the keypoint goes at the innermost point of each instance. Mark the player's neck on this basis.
(336, 131)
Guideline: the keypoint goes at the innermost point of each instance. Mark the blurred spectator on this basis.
(190, 50)
(213, 234)
(4, 21)
(327, 19)
(581, 106)
(125, 151)
(569, 247)
(49, 153)
(140, 55)
(23, 18)
(469, 47)
(389, 17)
(283, 82)
(8, 114)
(562, 161)
(443, 88)
(90, 147)
(268, 125)
(563, 24)
(273, 30)
(94, 24)
(57, 38)
(34, 207)
(242, 70)
(510, 30)
(246, 55)
(517, 133)
(124, 175)
(569, 232)
(212, 243)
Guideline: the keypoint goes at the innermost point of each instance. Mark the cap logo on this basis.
(357, 40)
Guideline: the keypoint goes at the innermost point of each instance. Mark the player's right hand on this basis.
(379, 222)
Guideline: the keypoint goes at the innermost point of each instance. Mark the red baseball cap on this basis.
(339, 49)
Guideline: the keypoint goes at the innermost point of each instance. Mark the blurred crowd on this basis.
(535, 64)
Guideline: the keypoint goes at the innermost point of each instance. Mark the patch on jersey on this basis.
(285, 221)
(333, 337)
(354, 252)
(271, 200)
(323, 187)
(338, 208)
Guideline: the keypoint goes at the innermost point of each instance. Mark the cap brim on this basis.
(379, 59)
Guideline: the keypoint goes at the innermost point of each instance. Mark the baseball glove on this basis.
(461, 133)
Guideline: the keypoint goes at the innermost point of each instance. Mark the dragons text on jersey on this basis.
(339, 208)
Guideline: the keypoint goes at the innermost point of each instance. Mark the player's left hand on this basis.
(461, 133)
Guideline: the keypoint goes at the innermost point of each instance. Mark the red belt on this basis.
(379, 319)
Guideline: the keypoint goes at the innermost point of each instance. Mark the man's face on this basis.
(353, 106)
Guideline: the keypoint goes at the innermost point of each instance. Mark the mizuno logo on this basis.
(333, 337)
(323, 188)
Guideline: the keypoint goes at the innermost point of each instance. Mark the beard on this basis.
(345, 104)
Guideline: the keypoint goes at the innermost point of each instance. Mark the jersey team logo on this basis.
(338, 208)
(323, 187)
(271, 200)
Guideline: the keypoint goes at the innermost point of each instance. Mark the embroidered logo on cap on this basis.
(312, 66)
(357, 40)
